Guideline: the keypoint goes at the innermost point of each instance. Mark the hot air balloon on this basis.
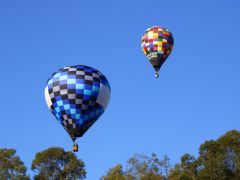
(157, 44)
(77, 96)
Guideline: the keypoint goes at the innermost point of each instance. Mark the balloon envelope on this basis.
(157, 44)
(77, 96)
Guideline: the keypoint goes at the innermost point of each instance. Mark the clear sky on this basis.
(195, 98)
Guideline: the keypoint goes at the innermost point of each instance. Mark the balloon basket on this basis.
(75, 148)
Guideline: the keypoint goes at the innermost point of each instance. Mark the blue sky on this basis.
(195, 98)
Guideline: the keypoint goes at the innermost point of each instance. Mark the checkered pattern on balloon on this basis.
(157, 44)
(77, 96)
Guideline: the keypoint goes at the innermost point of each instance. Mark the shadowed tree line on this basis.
(51, 164)
(218, 160)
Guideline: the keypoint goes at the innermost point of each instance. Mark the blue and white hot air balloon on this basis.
(77, 96)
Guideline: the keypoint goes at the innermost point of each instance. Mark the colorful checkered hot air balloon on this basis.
(77, 96)
(157, 44)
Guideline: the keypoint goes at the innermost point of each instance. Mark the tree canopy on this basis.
(218, 160)
(140, 167)
(11, 166)
(55, 163)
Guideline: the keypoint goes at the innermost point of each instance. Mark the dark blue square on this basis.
(58, 98)
(62, 82)
(71, 86)
(79, 91)
(71, 76)
(72, 106)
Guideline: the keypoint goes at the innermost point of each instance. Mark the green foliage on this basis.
(218, 160)
(186, 170)
(55, 163)
(221, 159)
(11, 167)
(140, 167)
(115, 173)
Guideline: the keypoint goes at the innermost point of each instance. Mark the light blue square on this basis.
(73, 111)
(95, 88)
(79, 86)
(87, 92)
(57, 109)
(71, 81)
(50, 81)
(57, 115)
(56, 75)
(59, 103)
(66, 106)
(63, 77)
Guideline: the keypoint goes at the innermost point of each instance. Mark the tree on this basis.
(115, 173)
(55, 163)
(140, 167)
(11, 166)
(218, 160)
(186, 170)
